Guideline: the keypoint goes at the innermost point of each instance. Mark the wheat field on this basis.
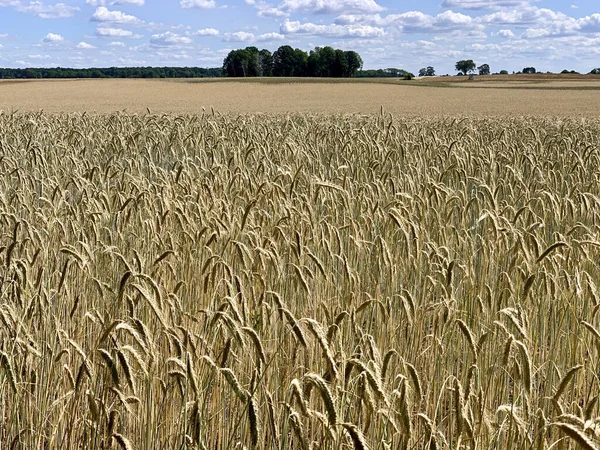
(439, 96)
(298, 282)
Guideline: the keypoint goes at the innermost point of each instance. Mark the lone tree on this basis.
(428, 71)
(484, 69)
(529, 70)
(465, 66)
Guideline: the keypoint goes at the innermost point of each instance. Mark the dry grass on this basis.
(415, 98)
(298, 282)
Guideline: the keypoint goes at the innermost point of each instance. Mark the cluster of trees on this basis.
(464, 67)
(251, 62)
(113, 72)
(292, 62)
(385, 73)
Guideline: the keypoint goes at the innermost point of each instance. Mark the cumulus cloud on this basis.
(289, 7)
(114, 32)
(332, 30)
(84, 46)
(57, 11)
(239, 36)
(103, 14)
(505, 34)
(115, 2)
(270, 37)
(244, 36)
(485, 4)
(51, 37)
(202, 4)
(168, 38)
(415, 21)
(206, 32)
(330, 6)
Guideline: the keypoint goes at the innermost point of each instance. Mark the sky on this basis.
(550, 35)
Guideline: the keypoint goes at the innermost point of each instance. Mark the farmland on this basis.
(506, 96)
(325, 273)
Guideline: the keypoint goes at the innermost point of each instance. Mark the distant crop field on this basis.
(295, 281)
(439, 96)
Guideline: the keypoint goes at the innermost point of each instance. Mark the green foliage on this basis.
(428, 71)
(504, 72)
(529, 70)
(112, 72)
(484, 69)
(248, 62)
(290, 62)
(385, 73)
(465, 66)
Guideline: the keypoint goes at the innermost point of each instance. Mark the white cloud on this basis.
(333, 30)
(244, 36)
(84, 46)
(51, 37)
(202, 4)
(590, 24)
(116, 44)
(168, 38)
(103, 14)
(330, 6)
(288, 7)
(485, 4)
(270, 37)
(57, 11)
(239, 36)
(206, 32)
(415, 21)
(505, 34)
(115, 2)
(524, 17)
(114, 32)
(265, 10)
(38, 56)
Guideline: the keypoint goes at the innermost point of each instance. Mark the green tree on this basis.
(266, 63)
(339, 68)
(529, 70)
(283, 61)
(484, 69)
(504, 72)
(465, 66)
(355, 63)
(428, 71)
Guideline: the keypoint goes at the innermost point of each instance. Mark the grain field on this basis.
(295, 281)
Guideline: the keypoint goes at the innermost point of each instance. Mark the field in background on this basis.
(297, 282)
(530, 95)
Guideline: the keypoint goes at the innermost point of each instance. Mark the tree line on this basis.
(113, 72)
(292, 62)
(468, 66)
(384, 73)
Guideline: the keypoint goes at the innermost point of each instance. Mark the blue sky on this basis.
(550, 35)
